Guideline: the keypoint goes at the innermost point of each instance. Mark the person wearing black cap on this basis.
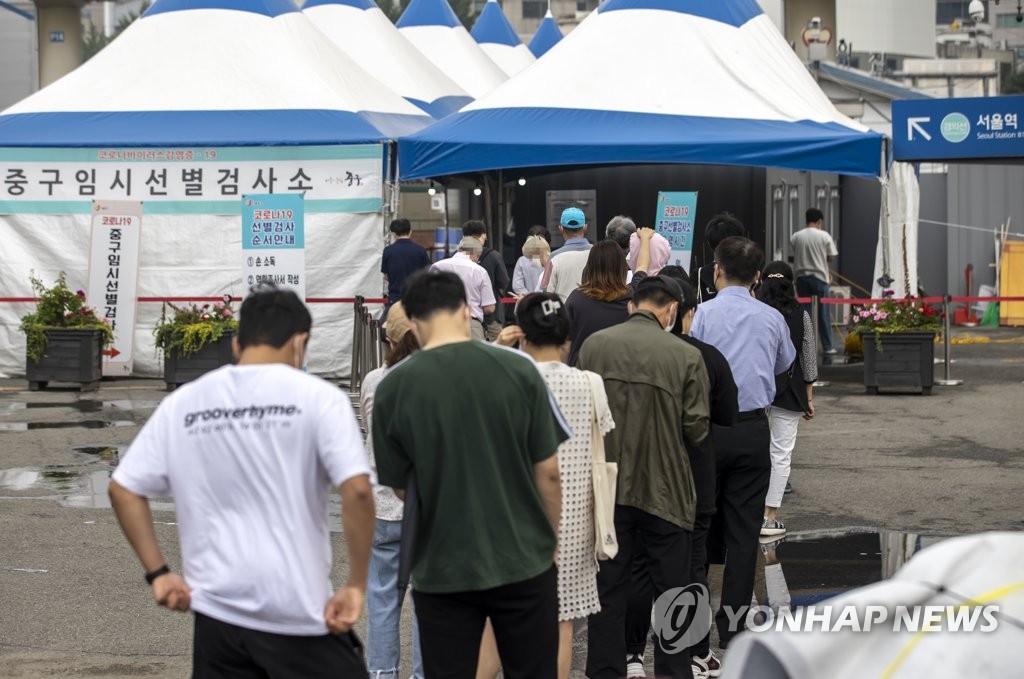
(658, 393)
(720, 227)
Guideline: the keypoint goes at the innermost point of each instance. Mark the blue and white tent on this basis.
(434, 29)
(362, 31)
(547, 36)
(654, 81)
(499, 41)
(213, 72)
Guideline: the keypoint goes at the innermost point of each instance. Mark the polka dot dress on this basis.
(577, 572)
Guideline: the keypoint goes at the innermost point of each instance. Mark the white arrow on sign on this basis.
(915, 124)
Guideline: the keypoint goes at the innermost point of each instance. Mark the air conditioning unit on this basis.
(840, 312)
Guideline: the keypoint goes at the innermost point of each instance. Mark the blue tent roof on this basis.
(428, 13)
(271, 8)
(547, 36)
(733, 12)
(492, 26)
(358, 4)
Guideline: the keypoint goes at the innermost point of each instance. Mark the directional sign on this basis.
(950, 129)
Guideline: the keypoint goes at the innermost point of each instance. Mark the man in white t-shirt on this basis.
(813, 250)
(249, 453)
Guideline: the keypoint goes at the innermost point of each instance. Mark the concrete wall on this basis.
(980, 196)
(18, 59)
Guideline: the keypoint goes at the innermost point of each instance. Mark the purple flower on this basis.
(889, 293)
(80, 293)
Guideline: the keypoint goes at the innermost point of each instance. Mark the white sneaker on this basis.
(712, 665)
(699, 669)
(635, 667)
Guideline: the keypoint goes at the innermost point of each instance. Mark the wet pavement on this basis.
(876, 478)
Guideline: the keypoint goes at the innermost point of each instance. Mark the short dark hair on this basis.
(739, 259)
(539, 230)
(678, 274)
(270, 315)
(427, 292)
(474, 228)
(401, 227)
(543, 319)
(723, 226)
(658, 291)
(814, 215)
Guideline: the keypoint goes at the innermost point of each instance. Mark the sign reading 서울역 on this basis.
(273, 241)
(949, 129)
(113, 277)
(674, 220)
(189, 180)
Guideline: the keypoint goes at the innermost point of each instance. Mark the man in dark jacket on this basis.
(720, 227)
(492, 262)
(657, 390)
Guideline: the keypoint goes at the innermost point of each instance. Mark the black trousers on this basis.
(224, 651)
(743, 469)
(525, 620)
(664, 548)
(641, 597)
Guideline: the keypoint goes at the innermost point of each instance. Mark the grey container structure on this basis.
(900, 361)
(71, 355)
(179, 370)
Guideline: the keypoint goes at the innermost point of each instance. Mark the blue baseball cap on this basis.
(573, 218)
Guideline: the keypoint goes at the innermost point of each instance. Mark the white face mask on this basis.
(671, 324)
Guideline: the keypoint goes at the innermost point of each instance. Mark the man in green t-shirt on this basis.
(478, 427)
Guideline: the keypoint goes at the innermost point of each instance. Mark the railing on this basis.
(367, 347)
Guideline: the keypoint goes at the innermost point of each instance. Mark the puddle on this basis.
(15, 569)
(82, 424)
(818, 565)
(88, 406)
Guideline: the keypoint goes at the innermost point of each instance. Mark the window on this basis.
(1008, 21)
(534, 9)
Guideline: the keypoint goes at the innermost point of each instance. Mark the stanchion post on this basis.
(815, 323)
(946, 380)
(357, 334)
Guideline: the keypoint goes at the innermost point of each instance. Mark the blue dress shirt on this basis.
(752, 336)
(574, 245)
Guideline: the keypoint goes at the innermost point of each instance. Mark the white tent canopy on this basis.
(435, 30)
(499, 41)
(362, 30)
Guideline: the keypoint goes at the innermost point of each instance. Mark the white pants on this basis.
(783, 424)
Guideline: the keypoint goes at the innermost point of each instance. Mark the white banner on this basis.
(274, 242)
(189, 181)
(114, 277)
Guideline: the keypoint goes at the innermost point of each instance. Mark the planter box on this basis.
(181, 369)
(906, 361)
(71, 355)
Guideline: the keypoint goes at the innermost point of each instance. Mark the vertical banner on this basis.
(114, 277)
(273, 241)
(674, 219)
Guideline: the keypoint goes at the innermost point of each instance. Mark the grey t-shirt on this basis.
(811, 250)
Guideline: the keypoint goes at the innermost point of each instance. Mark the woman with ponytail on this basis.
(793, 393)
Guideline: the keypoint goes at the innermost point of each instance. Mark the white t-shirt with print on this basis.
(250, 454)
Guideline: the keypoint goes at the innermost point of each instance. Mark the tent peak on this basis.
(428, 13)
(270, 8)
(732, 12)
(492, 26)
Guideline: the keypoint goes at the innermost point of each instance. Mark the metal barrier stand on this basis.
(947, 381)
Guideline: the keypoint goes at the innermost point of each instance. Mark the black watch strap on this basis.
(153, 575)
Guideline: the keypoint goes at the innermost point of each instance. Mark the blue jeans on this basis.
(384, 607)
(812, 286)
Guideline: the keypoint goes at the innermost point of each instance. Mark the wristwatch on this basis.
(153, 575)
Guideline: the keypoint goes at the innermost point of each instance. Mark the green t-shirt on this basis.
(472, 420)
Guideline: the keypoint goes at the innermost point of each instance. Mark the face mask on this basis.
(671, 324)
(299, 355)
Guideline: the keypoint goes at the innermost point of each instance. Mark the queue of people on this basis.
(477, 481)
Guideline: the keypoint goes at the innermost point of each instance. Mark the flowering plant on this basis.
(59, 307)
(896, 315)
(190, 328)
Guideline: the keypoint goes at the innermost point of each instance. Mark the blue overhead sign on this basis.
(951, 129)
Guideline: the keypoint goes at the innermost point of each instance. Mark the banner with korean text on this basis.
(114, 277)
(274, 241)
(674, 220)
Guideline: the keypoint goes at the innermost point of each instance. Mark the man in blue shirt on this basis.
(565, 267)
(401, 259)
(755, 340)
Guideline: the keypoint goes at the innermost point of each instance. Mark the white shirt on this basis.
(386, 504)
(567, 272)
(479, 292)
(250, 454)
(811, 249)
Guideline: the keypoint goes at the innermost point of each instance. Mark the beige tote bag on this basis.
(606, 474)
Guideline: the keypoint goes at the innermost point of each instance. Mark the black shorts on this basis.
(224, 651)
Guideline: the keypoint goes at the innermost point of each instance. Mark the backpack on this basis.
(790, 386)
